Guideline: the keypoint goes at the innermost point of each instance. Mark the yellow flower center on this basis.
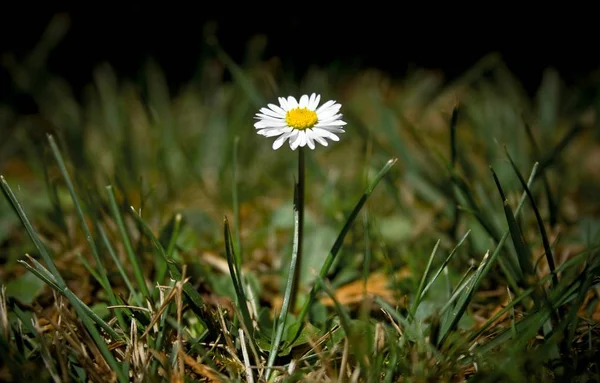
(301, 118)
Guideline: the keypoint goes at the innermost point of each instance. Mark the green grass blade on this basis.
(421, 287)
(572, 262)
(463, 301)
(100, 270)
(453, 123)
(120, 267)
(77, 304)
(540, 222)
(41, 272)
(236, 276)
(91, 270)
(173, 240)
(444, 264)
(411, 331)
(453, 158)
(552, 205)
(462, 284)
(367, 262)
(192, 296)
(483, 270)
(31, 232)
(162, 266)
(236, 202)
(339, 241)
(358, 344)
(238, 74)
(523, 250)
(464, 188)
(571, 318)
(135, 264)
(551, 157)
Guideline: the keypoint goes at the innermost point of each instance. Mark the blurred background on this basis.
(393, 39)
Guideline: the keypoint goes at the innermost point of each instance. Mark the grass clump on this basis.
(451, 235)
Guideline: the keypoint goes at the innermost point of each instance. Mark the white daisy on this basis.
(300, 122)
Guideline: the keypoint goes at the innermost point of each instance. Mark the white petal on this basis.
(299, 141)
(332, 129)
(329, 112)
(320, 140)
(281, 140)
(294, 135)
(294, 143)
(304, 101)
(269, 124)
(283, 103)
(264, 117)
(269, 112)
(302, 136)
(330, 118)
(326, 134)
(316, 102)
(331, 123)
(311, 101)
(277, 110)
(292, 103)
(309, 140)
(325, 106)
(272, 132)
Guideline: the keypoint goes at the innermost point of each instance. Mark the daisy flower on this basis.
(302, 123)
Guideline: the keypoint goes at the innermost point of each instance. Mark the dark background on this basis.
(392, 37)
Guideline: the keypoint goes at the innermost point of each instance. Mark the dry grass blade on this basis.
(156, 317)
(249, 375)
(4, 325)
(68, 328)
(201, 369)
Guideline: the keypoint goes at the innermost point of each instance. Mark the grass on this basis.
(451, 235)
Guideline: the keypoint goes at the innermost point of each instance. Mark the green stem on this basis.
(338, 244)
(300, 209)
(289, 287)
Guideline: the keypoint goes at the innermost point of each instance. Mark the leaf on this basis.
(26, 288)
(102, 310)
(395, 229)
(316, 247)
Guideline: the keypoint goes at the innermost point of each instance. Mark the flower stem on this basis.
(300, 206)
(292, 277)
